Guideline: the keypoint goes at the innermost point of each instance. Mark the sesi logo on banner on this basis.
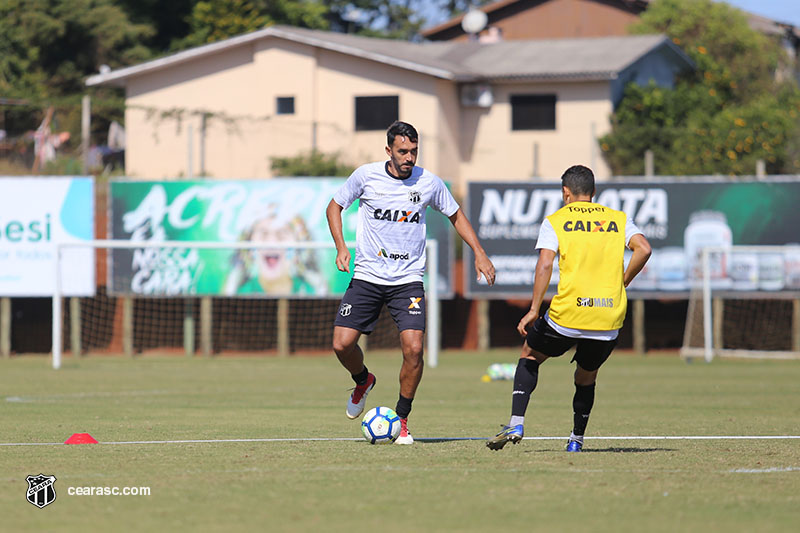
(35, 214)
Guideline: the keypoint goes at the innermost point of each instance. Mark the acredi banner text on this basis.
(265, 211)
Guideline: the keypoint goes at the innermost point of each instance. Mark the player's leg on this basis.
(358, 312)
(526, 377)
(589, 357)
(410, 375)
(411, 369)
(541, 343)
(406, 303)
(349, 353)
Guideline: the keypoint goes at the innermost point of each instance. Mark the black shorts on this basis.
(590, 354)
(362, 303)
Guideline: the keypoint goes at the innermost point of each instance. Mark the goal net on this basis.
(744, 302)
(211, 298)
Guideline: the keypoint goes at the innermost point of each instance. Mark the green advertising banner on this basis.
(285, 210)
(679, 217)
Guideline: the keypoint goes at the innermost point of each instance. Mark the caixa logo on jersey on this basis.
(396, 215)
(591, 226)
(41, 491)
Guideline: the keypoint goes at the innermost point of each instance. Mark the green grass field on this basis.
(438, 485)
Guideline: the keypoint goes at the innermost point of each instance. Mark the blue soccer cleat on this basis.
(509, 434)
(574, 445)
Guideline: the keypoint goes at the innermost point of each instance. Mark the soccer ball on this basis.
(380, 425)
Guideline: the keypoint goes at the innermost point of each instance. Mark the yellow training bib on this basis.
(591, 245)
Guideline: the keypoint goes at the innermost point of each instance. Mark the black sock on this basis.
(582, 404)
(525, 379)
(403, 408)
(361, 377)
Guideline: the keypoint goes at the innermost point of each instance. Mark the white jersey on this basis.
(390, 236)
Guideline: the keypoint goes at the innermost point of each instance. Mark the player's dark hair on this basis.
(402, 129)
(578, 179)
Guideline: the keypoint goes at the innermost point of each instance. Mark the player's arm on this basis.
(641, 253)
(541, 280)
(483, 265)
(334, 214)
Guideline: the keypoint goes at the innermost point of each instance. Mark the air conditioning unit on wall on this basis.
(476, 95)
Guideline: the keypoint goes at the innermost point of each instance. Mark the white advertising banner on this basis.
(35, 214)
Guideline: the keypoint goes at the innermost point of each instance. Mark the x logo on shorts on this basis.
(414, 303)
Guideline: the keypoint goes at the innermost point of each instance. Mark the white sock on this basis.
(573, 436)
(516, 420)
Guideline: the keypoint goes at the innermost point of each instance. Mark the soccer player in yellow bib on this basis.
(589, 306)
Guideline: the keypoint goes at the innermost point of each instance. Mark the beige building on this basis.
(511, 110)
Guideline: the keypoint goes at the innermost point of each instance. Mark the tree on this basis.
(215, 20)
(169, 20)
(313, 163)
(719, 119)
(50, 46)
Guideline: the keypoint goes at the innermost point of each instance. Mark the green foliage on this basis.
(215, 20)
(732, 58)
(49, 46)
(67, 165)
(314, 163)
(693, 132)
(721, 118)
(169, 20)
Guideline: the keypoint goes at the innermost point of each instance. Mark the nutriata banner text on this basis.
(678, 217)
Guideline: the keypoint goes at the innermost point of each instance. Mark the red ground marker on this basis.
(80, 438)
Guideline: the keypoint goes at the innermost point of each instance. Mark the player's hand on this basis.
(529, 318)
(484, 266)
(343, 260)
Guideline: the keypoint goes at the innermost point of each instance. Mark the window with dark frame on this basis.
(533, 112)
(284, 105)
(376, 112)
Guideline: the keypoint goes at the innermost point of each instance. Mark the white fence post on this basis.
(57, 308)
(432, 303)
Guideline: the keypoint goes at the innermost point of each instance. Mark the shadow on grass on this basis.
(615, 449)
(626, 450)
(611, 449)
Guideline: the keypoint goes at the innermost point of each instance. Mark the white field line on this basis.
(441, 439)
(765, 470)
(49, 398)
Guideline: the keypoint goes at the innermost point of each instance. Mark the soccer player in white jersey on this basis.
(390, 260)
